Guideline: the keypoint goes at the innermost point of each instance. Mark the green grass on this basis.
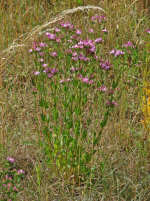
(75, 130)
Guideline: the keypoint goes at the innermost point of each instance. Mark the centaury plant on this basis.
(11, 179)
(71, 73)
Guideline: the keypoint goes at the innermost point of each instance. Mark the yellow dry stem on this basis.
(146, 105)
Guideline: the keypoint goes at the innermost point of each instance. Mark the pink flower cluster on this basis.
(111, 103)
(51, 36)
(67, 25)
(103, 88)
(105, 65)
(99, 18)
(10, 159)
(116, 52)
(65, 80)
(128, 44)
(85, 79)
(50, 72)
(37, 46)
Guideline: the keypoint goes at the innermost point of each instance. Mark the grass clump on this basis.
(72, 122)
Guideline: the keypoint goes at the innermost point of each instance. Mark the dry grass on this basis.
(122, 162)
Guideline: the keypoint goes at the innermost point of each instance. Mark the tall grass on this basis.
(74, 101)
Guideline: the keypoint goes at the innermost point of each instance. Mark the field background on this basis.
(122, 164)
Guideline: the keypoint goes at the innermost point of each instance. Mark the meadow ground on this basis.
(74, 101)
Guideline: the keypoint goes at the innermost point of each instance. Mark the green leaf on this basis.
(43, 117)
(55, 114)
(79, 1)
(104, 121)
(43, 103)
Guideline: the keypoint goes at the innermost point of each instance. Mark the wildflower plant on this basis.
(10, 180)
(66, 85)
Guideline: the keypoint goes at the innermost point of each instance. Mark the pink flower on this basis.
(128, 44)
(36, 73)
(98, 40)
(30, 50)
(67, 25)
(103, 88)
(50, 75)
(75, 58)
(57, 29)
(58, 40)
(91, 81)
(116, 52)
(80, 76)
(7, 177)
(93, 18)
(75, 46)
(81, 46)
(42, 44)
(70, 41)
(86, 59)
(112, 51)
(37, 49)
(74, 54)
(69, 51)
(104, 30)
(72, 69)
(88, 43)
(53, 70)
(34, 45)
(71, 27)
(15, 188)
(44, 65)
(41, 60)
(81, 42)
(51, 36)
(20, 171)
(98, 17)
(92, 49)
(10, 159)
(86, 79)
(148, 31)
(111, 103)
(41, 53)
(34, 90)
(54, 54)
(91, 30)
(66, 80)
(74, 37)
(78, 32)
(9, 185)
(105, 65)
(119, 52)
(83, 58)
(96, 57)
